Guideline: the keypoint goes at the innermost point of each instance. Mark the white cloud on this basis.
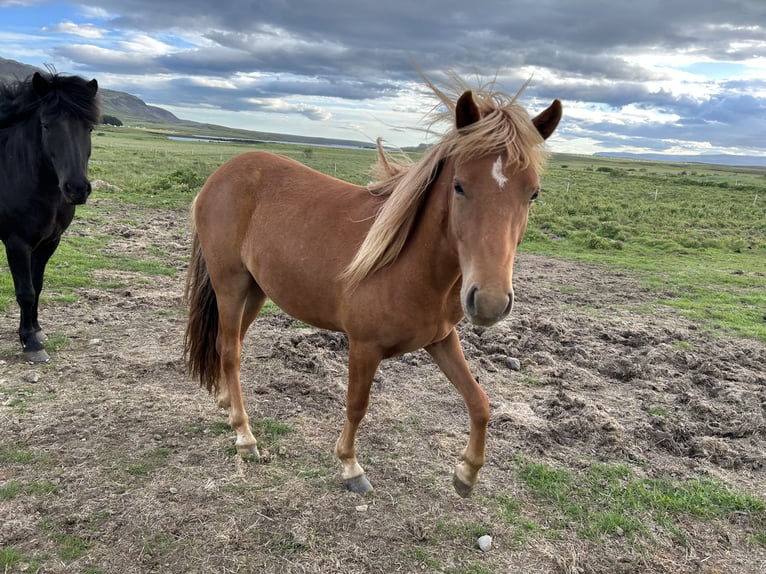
(146, 45)
(279, 106)
(70, 28)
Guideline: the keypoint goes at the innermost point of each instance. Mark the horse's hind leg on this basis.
(448, 355)
(362, 364)
(239, 301)
(253, 305)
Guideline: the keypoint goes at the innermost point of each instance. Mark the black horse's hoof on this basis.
(38, 356)
(359, 485)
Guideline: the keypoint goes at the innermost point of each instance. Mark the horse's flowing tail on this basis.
(200, 350)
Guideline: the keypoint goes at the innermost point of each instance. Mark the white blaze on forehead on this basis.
(497, 172)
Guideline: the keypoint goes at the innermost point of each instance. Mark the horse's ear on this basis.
(466, 111)
(93, 85)
(547, 120)
(40, 84)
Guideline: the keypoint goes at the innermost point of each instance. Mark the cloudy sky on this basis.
(671, 76)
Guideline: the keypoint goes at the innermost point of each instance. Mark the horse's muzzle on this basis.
(485, 307)
(76, 193)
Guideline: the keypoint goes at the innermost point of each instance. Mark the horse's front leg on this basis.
(19, 255)
(39, 260)
(448, 355)
(362, 364)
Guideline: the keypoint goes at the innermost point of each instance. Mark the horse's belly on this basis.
(301, 291)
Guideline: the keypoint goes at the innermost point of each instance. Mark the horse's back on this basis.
(291, 227)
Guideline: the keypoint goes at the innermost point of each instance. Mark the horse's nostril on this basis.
(510, 304)
(470, 300)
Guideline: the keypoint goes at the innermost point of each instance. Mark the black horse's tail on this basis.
(200, 350)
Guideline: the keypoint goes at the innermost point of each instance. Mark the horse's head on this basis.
(65, 132)
(492, 193)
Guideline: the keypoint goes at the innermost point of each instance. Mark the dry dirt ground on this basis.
(125, 465)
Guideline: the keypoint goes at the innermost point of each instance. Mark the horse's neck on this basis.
(431, 241)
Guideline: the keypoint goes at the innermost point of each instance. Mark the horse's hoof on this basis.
(463, 489)
(38, 356)
(40, 336)
(359, 485)
(249, 453)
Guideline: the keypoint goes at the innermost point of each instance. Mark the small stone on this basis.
(362, 508)
(32, 378)
(485, 543)
(512, 363)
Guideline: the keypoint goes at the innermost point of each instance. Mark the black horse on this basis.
(45, 126)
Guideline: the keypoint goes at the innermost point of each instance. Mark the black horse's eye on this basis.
(458, 188)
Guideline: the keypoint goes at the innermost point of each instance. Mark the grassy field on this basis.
(695, 234)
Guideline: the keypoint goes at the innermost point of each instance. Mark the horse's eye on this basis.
(534, 195)
(458, 188)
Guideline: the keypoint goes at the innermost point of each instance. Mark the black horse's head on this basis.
(68, 112)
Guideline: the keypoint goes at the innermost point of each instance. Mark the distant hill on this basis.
(717, 159)
(133, 110)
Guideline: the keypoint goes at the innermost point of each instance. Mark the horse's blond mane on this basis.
(504, 128)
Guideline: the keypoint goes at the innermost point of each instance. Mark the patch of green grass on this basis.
(19, 453)
(17, 396)
(683, 346)
(70, 546)
(149, 462)
(10, 557)
(610, 500)
(511, 513)
(214, 428)
(758, 539)
(269, 431)
(425, 558)
(14, 488)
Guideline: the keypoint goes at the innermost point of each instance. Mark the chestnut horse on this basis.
(395, 265)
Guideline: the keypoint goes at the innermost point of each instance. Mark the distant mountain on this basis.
(129, 109)
(717, 159)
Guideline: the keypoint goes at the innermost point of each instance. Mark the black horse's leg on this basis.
(19, 254)
(40, 256)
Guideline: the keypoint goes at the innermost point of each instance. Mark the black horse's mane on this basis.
(71, 95)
